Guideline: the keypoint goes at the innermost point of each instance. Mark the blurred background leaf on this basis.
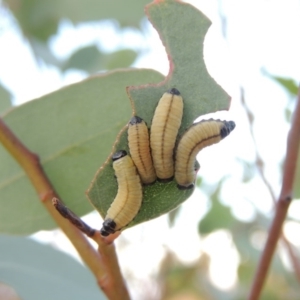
(91, 60)
(289, 84)
(41, 23)
(218, 216)
(5, 99)
(33, 270)
(39, 19)
(79, 113)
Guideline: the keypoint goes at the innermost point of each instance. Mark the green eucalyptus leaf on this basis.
(72, 130)
(42, 51)
(218, 217)
(288, 114)
(290, 85)
(127, 13)
(249, 170)
(119, 59)
(37, 271)
(90, 59)
(182, 29)
(5, 99)
(87, 59)
(39, 19)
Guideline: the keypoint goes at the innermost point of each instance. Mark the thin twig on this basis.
(114, 289)
(293, 256)
(258, 160)
(281, 206)
(260, 166)
(106, 250)
(72, 217)
(110, 260)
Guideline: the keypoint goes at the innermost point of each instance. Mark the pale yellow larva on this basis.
(139, 147)
(129, 196)
(164, 129)
(198, 136)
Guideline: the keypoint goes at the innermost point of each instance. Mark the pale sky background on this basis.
(260, 34)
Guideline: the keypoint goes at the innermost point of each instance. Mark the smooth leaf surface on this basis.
(39, 19)
(72, 130)
(42, 51)
(86, 59)
(288, 114)
(90, 59)
(288, 84)
(182, 29)
(119, 59)
(38, 271)
(218, 217)
(5, 99)
(128, 13)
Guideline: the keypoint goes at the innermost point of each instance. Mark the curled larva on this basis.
(129, 196)
(164, 129)
(198, 136)
(139, 147)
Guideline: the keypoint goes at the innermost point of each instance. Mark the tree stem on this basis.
(282, 204)
(114, 288)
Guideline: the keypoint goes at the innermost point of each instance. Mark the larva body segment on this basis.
(129, 196)
(164, 129)
(197, 137)
(139, 147)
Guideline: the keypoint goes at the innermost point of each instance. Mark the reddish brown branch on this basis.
(110, 260)
(282, 204)
(112, 278)
(260, 166)
(113, 287)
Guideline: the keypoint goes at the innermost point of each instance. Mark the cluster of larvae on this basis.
(158, 157)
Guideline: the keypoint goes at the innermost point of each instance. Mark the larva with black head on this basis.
(139, 147)
(164, 129)
(129, 196)
(198, 136)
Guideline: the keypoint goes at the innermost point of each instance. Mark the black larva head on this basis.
(183, 187)
(230, 125)
(108, 227)
(135, 120)
(119, 155)
(227, 128)
(173, 91)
